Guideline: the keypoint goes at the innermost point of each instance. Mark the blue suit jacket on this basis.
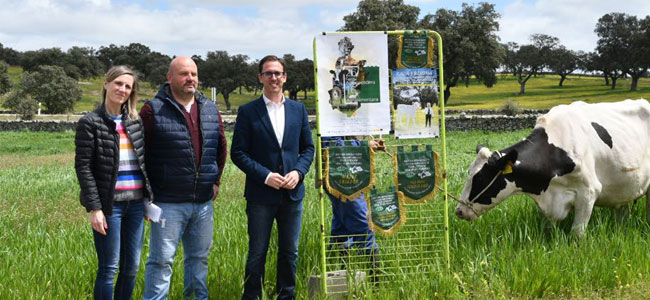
(256, 151)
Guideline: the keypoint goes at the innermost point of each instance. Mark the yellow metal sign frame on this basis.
(319, 174)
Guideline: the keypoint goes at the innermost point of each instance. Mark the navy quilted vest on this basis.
(170, 157)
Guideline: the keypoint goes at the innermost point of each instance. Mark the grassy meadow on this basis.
(46, 249)
(543, 92)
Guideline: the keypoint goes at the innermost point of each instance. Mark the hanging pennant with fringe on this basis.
(349, 170)
(416, 173)
(386, 211)
(415, 50)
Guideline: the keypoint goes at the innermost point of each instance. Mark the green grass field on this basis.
(46, 249)
(543, 92)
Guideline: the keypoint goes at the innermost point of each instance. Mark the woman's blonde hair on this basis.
(117, 71)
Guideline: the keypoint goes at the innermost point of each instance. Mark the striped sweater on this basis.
(130, 181)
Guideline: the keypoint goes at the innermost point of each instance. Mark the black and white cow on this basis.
(577, 156)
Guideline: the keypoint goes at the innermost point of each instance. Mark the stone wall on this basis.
(482, 112)
(454, 123)
(37, 125)
(490, 123)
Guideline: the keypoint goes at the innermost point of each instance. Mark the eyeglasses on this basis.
(270, 74)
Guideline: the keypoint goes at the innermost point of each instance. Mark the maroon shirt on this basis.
(194, 125)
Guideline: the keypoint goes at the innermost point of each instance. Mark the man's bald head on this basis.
(183, 78)
(178, 61)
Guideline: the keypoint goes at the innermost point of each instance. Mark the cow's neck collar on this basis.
(470, 203)
(486, 187)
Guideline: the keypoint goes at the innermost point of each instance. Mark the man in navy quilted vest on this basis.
(185, 149)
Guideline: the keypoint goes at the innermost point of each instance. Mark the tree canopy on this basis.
(471, 46)
(150, 64)
(224, 72)
(10, 56)
(51, 86)
(623, 43)
(77, 62)
(5, 81)
(563, 62)
(300, 75)
(524, 61)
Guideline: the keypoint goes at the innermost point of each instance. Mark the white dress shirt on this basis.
(276, 114)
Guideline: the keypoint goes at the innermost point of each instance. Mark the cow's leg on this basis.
(623, 212)
(583, 207)
(548, 225)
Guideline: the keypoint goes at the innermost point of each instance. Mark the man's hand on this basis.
(291, 180)
(98, 221)
(276, 181)
(377, 145)
(215, 191)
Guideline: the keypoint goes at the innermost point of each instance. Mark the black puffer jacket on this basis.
(97, 158)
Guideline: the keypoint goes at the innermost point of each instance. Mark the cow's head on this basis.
(487, 183)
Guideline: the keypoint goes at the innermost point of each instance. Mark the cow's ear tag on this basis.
(508, 168)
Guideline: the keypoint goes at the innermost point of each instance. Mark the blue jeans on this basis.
(119, 249)
(191, 223)
(350, 225)
(288, 216)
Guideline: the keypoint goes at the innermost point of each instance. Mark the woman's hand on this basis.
(98, 221)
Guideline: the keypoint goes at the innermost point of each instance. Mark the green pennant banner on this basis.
(349, 171)
(415, 50)
(386, 211)
(416, 173)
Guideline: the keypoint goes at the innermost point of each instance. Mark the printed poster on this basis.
(353, 95)
(415, 101)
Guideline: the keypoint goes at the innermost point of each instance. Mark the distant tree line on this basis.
(471, 50)
(54, 67)
(622, 50)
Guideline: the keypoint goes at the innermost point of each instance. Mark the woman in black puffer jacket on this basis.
(109, 160)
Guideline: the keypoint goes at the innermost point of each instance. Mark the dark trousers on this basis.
(288, 216)
(350, 224)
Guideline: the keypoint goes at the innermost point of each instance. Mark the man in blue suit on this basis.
(272, 145)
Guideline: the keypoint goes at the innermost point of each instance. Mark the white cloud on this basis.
(44, 24)
(285, 4)
(257, 28)
(573, 21)
(333, 19)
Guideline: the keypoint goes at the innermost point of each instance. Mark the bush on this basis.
(5, 81)
(22, 104)
(510, 108)
(51, 86)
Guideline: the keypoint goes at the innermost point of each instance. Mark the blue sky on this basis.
(256, 28)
